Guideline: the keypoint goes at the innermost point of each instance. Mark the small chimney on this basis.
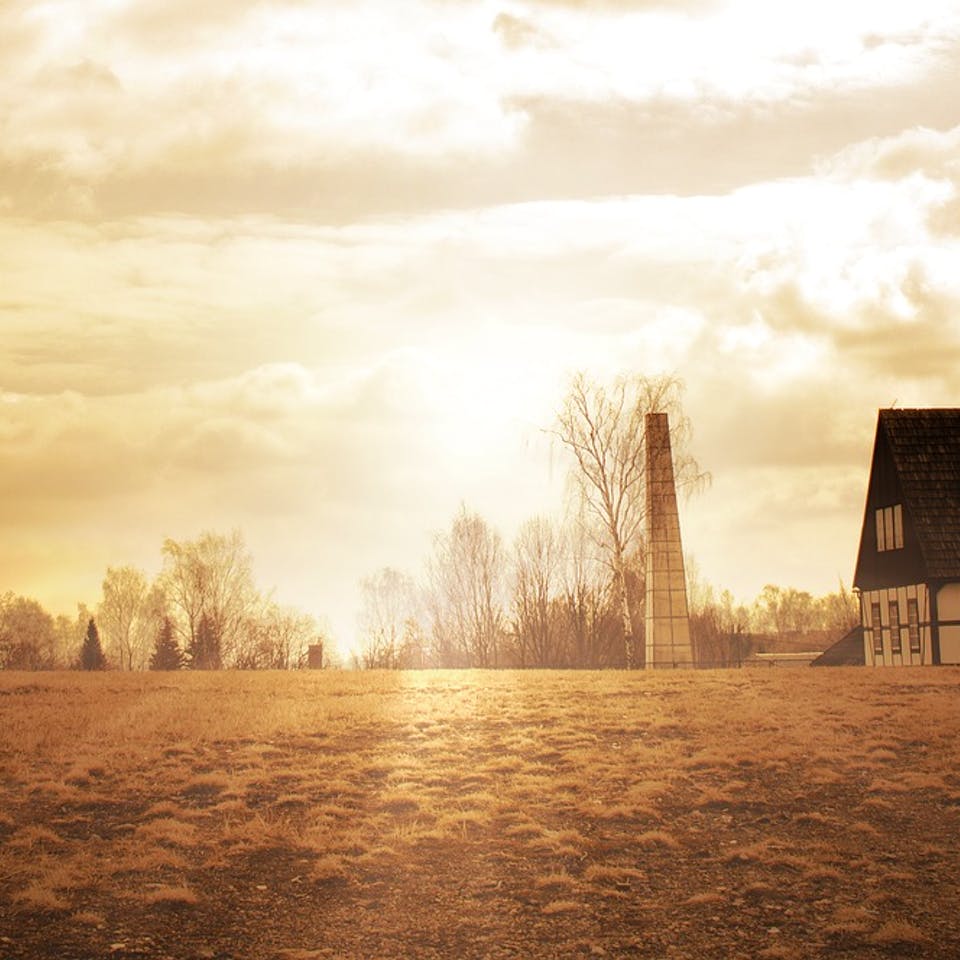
(667, 619)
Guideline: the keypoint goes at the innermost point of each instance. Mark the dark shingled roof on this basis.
(925, 445)
(846, 652)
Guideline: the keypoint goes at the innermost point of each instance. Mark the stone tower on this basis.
(667, 621)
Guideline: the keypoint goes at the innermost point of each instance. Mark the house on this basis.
(908, 566)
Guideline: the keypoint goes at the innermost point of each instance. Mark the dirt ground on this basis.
(777, 813)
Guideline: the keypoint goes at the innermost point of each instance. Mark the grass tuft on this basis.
(88, 918)
(707, 898)
(657, 838)
(898, 933)
(37, 896)
(171, 897)
(329, 868)
(206, 785)
(34, 836)
(555, 880)
(561, 906)
(169, 832)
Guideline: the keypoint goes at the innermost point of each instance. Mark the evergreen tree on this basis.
(166, 652)
(91, 654)
(204, 649)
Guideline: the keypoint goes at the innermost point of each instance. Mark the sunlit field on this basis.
(783, 813)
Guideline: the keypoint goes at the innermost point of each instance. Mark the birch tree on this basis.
(388, 610)
(27, 635)
(466, 592)
(121, 616)
(588, 605)
(603, 429)
(538, 569)
(275, 637)
(210, 581)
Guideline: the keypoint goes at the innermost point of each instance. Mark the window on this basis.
(893, 608)
(913, 624)
(877, 632)
(889, 528)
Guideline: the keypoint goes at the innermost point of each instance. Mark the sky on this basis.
(322, 271)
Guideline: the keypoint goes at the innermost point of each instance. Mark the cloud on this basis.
(918, 150)
(177, 25)
(679, 7)
(517, 32)
(307, 113)
(268, 440)
(143, 303)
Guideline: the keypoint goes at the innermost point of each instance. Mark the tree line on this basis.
(546, 601)
(203, 611)
(569, 592)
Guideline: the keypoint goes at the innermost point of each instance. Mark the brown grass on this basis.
(638, 814)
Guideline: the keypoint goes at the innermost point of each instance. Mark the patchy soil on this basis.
(779, 813)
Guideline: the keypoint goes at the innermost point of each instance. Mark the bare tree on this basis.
(840, 611)
(210, 580)
(604, 431)
(121, 617)
(591, 613)
(275, 638)
(28, 638)
(388, 610)
(465, 594)
(783, 610)
(719, 627)
(787, 610)
(538, 568)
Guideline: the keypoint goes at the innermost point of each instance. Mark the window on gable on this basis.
(913, 624)
(889, 528)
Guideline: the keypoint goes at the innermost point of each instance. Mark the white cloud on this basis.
(920, 150)
(101, 94)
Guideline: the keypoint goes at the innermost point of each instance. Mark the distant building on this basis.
(800, 658)
(908, 566)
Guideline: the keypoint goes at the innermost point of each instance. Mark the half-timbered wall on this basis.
(896, 626)
(948, 615)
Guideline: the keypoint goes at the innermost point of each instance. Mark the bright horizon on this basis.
(323, 273)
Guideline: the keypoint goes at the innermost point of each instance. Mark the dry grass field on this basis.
(771, 813)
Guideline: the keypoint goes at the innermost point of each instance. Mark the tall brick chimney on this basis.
(667, 620)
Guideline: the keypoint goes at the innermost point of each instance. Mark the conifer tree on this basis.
(204, 651)
(91, 654)
(166, 651)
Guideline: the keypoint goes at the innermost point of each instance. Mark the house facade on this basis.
(908, 565)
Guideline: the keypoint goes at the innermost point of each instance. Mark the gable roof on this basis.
(925, 446)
